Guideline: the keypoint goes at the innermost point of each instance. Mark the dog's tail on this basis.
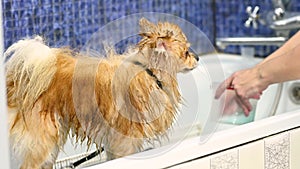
(30, 69)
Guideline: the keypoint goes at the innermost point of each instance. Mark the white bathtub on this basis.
(187, 144)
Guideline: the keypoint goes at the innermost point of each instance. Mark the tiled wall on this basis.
(281, 151)
(72, 22)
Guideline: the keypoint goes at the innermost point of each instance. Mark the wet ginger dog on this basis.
(118, 102)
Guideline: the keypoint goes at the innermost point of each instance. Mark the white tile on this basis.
(252, 155)
(203, 163)
(295, 149)
(225, 160)
(277, 151)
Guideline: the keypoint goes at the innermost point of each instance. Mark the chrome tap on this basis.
(222, 43)
(278, 14)
(287, 24)
(279, 9)
(284, 21)
(252, 17)
(278, 19)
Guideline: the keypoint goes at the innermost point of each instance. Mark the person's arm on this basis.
(286, 47)
(281, 68)
(282, 65)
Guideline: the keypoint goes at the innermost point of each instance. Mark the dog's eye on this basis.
(186, 54)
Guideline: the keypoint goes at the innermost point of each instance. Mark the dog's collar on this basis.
(150, 72)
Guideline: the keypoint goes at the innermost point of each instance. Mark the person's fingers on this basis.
(223, 86)
(257, 97)
(245, 105)
(220, 90)
(230, 107)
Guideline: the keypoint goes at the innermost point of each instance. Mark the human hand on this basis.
(246, 84)
(232, 103)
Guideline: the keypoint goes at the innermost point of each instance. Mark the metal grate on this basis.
(66, 163)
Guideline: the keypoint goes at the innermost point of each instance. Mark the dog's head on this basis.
(169, 41)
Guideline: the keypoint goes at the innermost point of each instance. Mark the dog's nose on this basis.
(196, 57)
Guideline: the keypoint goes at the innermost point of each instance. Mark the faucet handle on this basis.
(278, 14)
(252, 17)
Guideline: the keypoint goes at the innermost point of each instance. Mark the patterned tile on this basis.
(277, 151)
(227, 160)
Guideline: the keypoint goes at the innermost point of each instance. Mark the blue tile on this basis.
(75, 21)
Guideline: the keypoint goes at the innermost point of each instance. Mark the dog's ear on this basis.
(146, 27)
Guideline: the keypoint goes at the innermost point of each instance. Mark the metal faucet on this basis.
(222, 43)
(281, 21)
(287, 24)
(252, 17)
(278, 22)
(279, 9)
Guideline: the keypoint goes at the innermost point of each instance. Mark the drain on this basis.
(294, 93)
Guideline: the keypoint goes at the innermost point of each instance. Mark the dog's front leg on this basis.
(119, 145)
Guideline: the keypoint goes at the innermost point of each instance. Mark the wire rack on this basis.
(67, 163)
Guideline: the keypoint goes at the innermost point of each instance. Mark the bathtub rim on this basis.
(190, 149)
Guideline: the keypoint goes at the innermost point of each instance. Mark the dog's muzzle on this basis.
(196, 57)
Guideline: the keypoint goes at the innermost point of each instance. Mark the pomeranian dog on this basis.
(118, 102)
